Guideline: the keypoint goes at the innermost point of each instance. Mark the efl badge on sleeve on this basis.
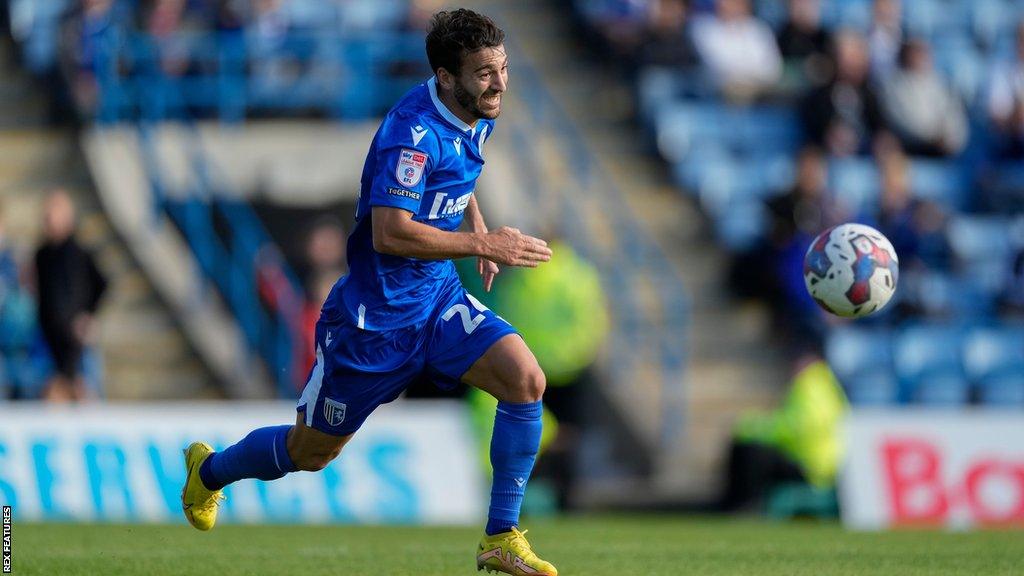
(410, 167)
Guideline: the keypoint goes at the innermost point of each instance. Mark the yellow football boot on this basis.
(197, 501)
(509, 552)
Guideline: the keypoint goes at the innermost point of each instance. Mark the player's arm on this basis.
(484, 267)
(397, 234)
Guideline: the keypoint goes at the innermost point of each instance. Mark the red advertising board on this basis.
(935, 468)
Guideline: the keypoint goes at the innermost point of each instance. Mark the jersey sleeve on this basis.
(405, 156)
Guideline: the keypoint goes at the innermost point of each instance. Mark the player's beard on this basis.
(471, 104)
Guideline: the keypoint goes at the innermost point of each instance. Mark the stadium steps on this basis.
(731, 364)
(144, 353)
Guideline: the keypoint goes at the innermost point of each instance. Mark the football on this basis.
(851, 270)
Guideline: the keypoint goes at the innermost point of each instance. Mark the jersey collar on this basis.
(444, 111)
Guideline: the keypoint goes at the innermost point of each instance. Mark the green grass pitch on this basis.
(588, 546)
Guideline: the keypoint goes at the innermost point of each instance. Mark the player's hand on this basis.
(511, 247)
(488, 270)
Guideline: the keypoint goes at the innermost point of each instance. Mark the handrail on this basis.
(228, 75)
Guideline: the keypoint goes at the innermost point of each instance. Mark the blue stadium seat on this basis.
(982, 248)
(872, 388)
(940, 389)
(928, 358)
(994, 352)
(854, 182)
(940, 293)
(960, 61)
(683, 126)
(991, 19)
(924, 18)
(854, 351)
(846, 13)
(1002, 390)
(742, 225)
(942, 181)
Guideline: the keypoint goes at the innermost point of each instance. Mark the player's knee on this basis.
(532, 384)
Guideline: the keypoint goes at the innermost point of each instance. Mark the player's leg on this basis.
(262, 454)
(510, 373)
(312, 450)
(474, 345)
(270, 453)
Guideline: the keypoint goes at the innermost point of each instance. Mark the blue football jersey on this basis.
(425, 160)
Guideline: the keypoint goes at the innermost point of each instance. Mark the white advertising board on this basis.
(412, 462)
(916, 467)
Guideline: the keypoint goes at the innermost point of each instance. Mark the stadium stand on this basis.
(958, 316)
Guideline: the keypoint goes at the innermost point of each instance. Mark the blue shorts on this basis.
(357, 370)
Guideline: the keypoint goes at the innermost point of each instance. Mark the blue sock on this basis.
(262, 454)
(514, 446)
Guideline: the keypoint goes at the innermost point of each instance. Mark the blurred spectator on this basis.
(665, 42)
(84, 38)
(796, 218)
(1011, 299)
(915, 227)
(325, 264)
(773, 270)
(885, 35)
(325, 254)
(1005, 103)
(560, 310)
(799, 442)
(168, 21)
(738, 50)
(70, 287)
(844, 115)
(621, 25)
(804, 42)
(923, 110)
(17, 322)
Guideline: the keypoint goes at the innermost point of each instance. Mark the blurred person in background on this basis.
(325, 253)
(844, 116)
(804, 42)
(86, 31)
(914, 226)
(18, 325)
(562, 313)
(69, 286)
(665, 41)
(738, 50)
(1005, 100)
(325, 263)
(922, 109)
(796, 218)
(885, 36)
(800, 442)
(168, 22)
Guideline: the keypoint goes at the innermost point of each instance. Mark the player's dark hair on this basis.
(452, 34)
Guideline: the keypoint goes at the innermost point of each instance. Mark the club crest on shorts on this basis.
(334, 412)
(410, 167)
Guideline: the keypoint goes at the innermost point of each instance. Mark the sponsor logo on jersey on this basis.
(457, 142)
(404, 193)
(410, 167)
(445, 207)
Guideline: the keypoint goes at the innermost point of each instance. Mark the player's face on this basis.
(478, 89)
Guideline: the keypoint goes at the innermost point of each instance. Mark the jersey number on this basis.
(469, 322)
